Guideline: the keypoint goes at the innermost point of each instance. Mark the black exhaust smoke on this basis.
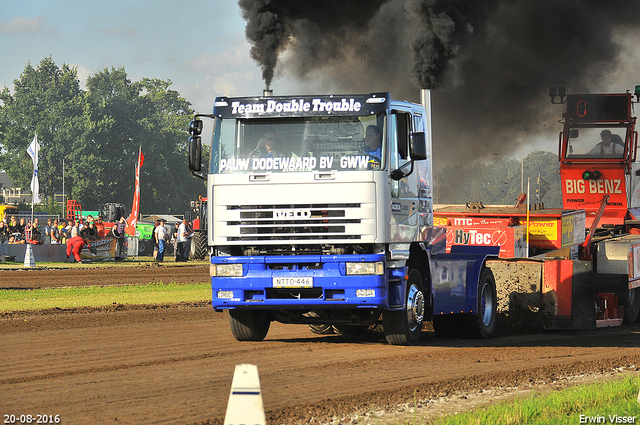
(489, 62)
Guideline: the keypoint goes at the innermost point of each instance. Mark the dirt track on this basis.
(174, 364)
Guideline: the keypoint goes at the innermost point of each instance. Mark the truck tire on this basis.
(632, 309)
(199, 249)
(482, 324)
(404, 327)
(145, 247)
(249, 325)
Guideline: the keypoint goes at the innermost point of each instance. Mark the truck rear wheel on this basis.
(481, 325)
(404, 327)
(199, 245)
(632, 309)
(249, 325)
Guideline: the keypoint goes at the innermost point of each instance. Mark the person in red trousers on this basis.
(74, 246)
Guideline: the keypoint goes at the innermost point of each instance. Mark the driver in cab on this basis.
(266, 147)
(608, 146)
(373, 148)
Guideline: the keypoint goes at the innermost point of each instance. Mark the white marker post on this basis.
(29, 258)
(245, 400)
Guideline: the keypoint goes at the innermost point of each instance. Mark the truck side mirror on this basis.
(574, 133)
(195, 145)
(195, 151)
(418, 146)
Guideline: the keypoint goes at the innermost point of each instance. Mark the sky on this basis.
(199, 45)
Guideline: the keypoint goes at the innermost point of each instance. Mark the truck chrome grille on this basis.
(292, 222)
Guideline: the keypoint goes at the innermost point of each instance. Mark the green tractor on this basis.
(144, 232)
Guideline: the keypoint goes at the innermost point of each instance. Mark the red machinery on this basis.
(597, 153)
(579, 279)
(74, 210)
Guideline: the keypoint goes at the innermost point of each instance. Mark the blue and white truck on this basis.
(315, 221)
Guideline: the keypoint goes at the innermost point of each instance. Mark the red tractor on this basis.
(198, 217)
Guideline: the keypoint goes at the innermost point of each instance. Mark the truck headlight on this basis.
(376, 268)
(225, 270)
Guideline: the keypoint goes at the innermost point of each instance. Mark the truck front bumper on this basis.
(301, 282)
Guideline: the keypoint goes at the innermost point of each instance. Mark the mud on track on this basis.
(174, 364)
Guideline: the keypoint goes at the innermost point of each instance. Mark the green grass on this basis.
(140, 262)
(597, 401)
(99, 296)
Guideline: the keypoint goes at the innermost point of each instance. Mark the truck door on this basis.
(404, 192)
(423, 172)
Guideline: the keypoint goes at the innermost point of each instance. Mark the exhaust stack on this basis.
(267, 92)
(425, 100)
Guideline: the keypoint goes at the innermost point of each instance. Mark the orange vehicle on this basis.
(598, 149)
(587, 253)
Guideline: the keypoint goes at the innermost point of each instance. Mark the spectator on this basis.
(155, 240)
(89, 231)
(160, 234)
(100, 227)
(4, 232)
(27, 230)
(175, 239)
(74, 232)
(54, 233)
(22, 226)
(65, 231)
(13, 239)
(118, 232)
(35, 231)
(183, 240)
(13, 225)
(46, 232)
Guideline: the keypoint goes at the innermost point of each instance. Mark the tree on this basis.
(500, 183)
(47, 101)
(164, 126)
(148, 115)
(99, 133)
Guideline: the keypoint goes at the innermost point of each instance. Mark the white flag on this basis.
(32, 150)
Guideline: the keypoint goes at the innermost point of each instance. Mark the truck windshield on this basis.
(599, 142)
(298, 144)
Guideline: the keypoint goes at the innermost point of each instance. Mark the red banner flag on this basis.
(130, 229)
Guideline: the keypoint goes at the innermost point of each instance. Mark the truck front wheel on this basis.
(482, 324)
(404, 327)
(249, 325)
